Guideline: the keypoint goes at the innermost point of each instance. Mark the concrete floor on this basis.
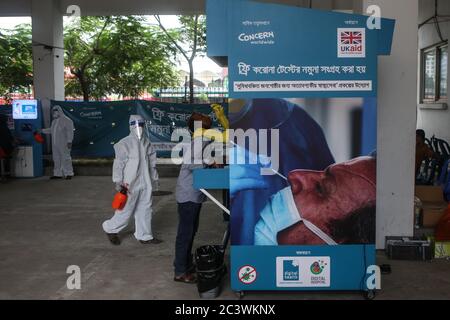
(45, 226)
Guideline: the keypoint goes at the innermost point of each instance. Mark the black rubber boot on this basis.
(113, 238)
(153, 241)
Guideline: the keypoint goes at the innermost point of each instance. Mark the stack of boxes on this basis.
(434, 207)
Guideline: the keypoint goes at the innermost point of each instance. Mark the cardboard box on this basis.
(433, 204)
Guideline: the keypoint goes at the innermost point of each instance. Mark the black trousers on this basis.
(188, 218)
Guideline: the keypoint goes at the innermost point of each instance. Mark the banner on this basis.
(163, 118)
(99, 125)
(303, 207)
(283, 51)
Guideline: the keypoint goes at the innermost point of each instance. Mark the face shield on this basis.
(55, 113)
(137, 127)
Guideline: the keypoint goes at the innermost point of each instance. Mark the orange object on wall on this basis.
(442, 232)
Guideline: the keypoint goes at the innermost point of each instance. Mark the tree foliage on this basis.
(189, 41)
(106, 55)
(116, 55)
(194, 34)
(16, 62)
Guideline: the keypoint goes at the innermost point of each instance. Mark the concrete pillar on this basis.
(397, 100)
(48, 53)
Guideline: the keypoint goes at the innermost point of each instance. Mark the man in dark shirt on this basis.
(189, 201)
(423, 151)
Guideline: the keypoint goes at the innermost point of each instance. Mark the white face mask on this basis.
(280, 213)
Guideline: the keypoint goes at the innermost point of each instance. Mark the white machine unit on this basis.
(22, 162)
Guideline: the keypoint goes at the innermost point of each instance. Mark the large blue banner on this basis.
(99, 125)
(309, 78)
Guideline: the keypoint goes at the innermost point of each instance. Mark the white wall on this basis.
(434, 122)
(397, 93)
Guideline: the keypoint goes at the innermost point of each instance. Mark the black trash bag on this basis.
(210, 269)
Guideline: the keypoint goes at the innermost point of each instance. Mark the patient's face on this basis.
(331, 195)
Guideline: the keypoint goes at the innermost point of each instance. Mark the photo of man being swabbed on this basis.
(333, 206)
(312, 200)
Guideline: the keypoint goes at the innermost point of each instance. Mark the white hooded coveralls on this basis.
(135, 165)
(62, 134)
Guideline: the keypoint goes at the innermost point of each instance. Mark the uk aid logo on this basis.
(351, 42)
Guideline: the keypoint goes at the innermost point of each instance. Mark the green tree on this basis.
(16, 62)
(190, 41)
(116, 55)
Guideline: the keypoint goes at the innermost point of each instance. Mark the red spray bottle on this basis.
(38, 137)
(120, 199)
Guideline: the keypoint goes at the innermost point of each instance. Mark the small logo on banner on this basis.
(258, 38)
(291, 270)
(303, 272)
(247, 274)
(97, 115)
(351, 42)
(317, 267)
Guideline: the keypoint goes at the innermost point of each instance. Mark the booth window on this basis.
(434, 75)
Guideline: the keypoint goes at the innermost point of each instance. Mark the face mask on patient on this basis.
(279, 214)
(333, 206)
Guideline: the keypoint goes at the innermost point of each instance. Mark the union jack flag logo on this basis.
(351, 37)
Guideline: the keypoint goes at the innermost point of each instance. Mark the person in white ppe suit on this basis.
(61, 131)
(134, 168)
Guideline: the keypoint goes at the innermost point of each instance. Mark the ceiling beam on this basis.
(145, 7)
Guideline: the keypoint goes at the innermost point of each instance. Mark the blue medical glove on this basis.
(244, 176)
